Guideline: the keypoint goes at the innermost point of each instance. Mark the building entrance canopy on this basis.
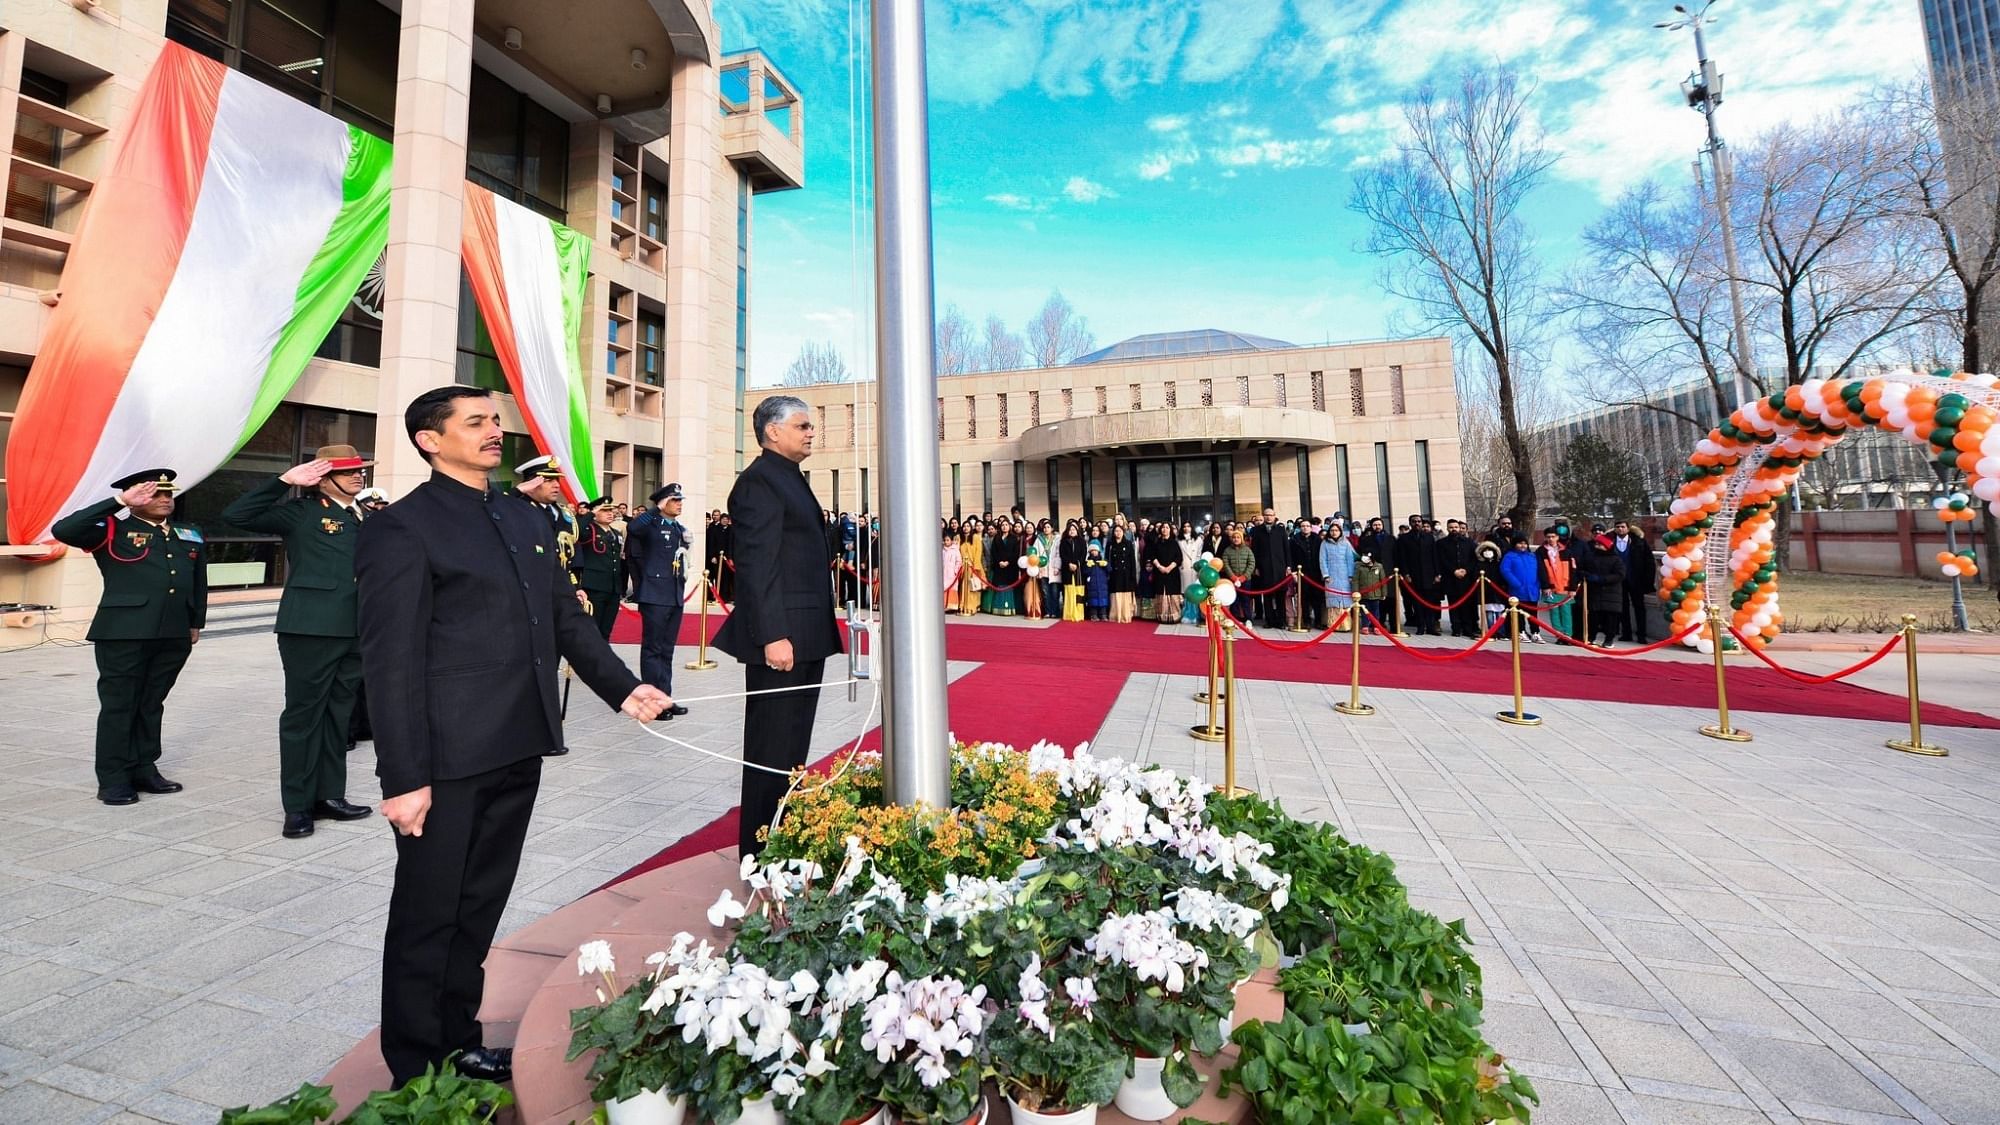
(1159, 432)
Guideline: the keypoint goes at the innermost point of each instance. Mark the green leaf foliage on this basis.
(307, 1105)
(435, 1098)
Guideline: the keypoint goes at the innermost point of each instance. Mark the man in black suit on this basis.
(783, 627)
(465, 614)
(1642, 573)
(1271, 544)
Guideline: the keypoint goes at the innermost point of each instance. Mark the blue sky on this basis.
(1176, 164)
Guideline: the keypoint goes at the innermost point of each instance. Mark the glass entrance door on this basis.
(1193, 490)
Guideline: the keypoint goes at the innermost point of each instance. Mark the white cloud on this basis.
(1160, 165)
(1167, 123)
(1013, 201)
(1084, 190)
(1229, 35)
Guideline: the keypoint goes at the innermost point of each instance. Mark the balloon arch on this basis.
(1745, 467)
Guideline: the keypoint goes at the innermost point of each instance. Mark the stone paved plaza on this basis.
(1673, 929)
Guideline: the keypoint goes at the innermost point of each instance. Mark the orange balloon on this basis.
(1795, 398)
(1920, 412)
(1871, 391)
(1965, 441)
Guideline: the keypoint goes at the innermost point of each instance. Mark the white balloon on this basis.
(1987, 489)
(1704, 646)
(1208, 556)
(1223, 594)
(1940, 501)
(1034, 571)
(1951, 570)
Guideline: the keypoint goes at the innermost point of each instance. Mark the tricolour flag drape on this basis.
(213, 258)
(528, 275)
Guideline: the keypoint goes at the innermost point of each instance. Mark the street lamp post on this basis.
(1703, 90)
(1959, 622)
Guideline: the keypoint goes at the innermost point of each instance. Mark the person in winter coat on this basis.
(1122, 560)
(1336, 567)
(1642, 573)
(1521, 574)
(1096, 584)
(1604, 571)
(1368, 575)
(1556, 574)
(1486, 559)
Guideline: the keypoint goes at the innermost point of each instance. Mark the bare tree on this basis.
(953, 342)
(1444, 213)
(817, 363)
(1946, 171)
(1840, 267)
(1001, 350)
(1056, 334)
(1650, 303)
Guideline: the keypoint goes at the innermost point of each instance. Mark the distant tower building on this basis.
(1962, 38)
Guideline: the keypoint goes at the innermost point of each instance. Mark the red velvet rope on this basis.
(1677, 638)
(1803, 678)
(1282, 646)
(1492, 631)
(1284, 582)
(1348, 593)
(1422, 601)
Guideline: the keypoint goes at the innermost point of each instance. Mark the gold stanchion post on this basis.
(1354, 706)
(701, 662)
(1229, 788)
(1212, 730)
(1519, 716)
(1915, 744)
(1721, 728)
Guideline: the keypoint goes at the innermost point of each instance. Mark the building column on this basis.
(426, 201)
(700, 377)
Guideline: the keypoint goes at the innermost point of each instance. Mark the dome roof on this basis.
(1164, 345)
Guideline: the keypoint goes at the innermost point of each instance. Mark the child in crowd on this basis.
(1486, 561)
(1096, 584)
(1520, 573)
(1368, 575)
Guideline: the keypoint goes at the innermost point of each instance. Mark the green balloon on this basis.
(1208, 575)
(1196, 593)
(1949, 415)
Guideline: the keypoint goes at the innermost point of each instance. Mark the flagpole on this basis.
(915, 718)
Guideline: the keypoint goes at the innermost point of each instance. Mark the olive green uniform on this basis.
(317, 636)
(155, 596)
(598, 565)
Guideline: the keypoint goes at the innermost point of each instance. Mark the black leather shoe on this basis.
(555, 753)
(157, 784)
(298, 824)
(118, 795)
(677, 710)
(493, 1064)
(339, 809)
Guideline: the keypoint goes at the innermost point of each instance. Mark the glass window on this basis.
(1021, 486)
(1306, 484)
(836, 491)
(1424, 477)
(1194, 478)
(1264, 479)
(864, 490)
(652, 348)
(478, 364)
(336, 55)
(1055, 489)
(986, 486)
(13, 380)
(653, 203)
(957, 507)
(1156, 480)
(1382, 506)
(364, 69)
(1340, 473)
(515, 147)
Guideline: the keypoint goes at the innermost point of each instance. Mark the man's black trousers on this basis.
(777, 732)
(1634, 625)
(660, 630)
(133, 679)
(604, 610)
(452, 884)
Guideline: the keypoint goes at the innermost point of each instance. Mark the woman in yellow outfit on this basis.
(972, 575)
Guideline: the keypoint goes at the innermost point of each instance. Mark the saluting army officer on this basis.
(539, 482)
(154, 605)
(658, 546)
(599, 564)
(317, 631)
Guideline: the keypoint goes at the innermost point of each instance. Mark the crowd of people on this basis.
(1424, 576)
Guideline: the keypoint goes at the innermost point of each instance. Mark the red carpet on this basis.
(1135, 648)
(986, 706)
